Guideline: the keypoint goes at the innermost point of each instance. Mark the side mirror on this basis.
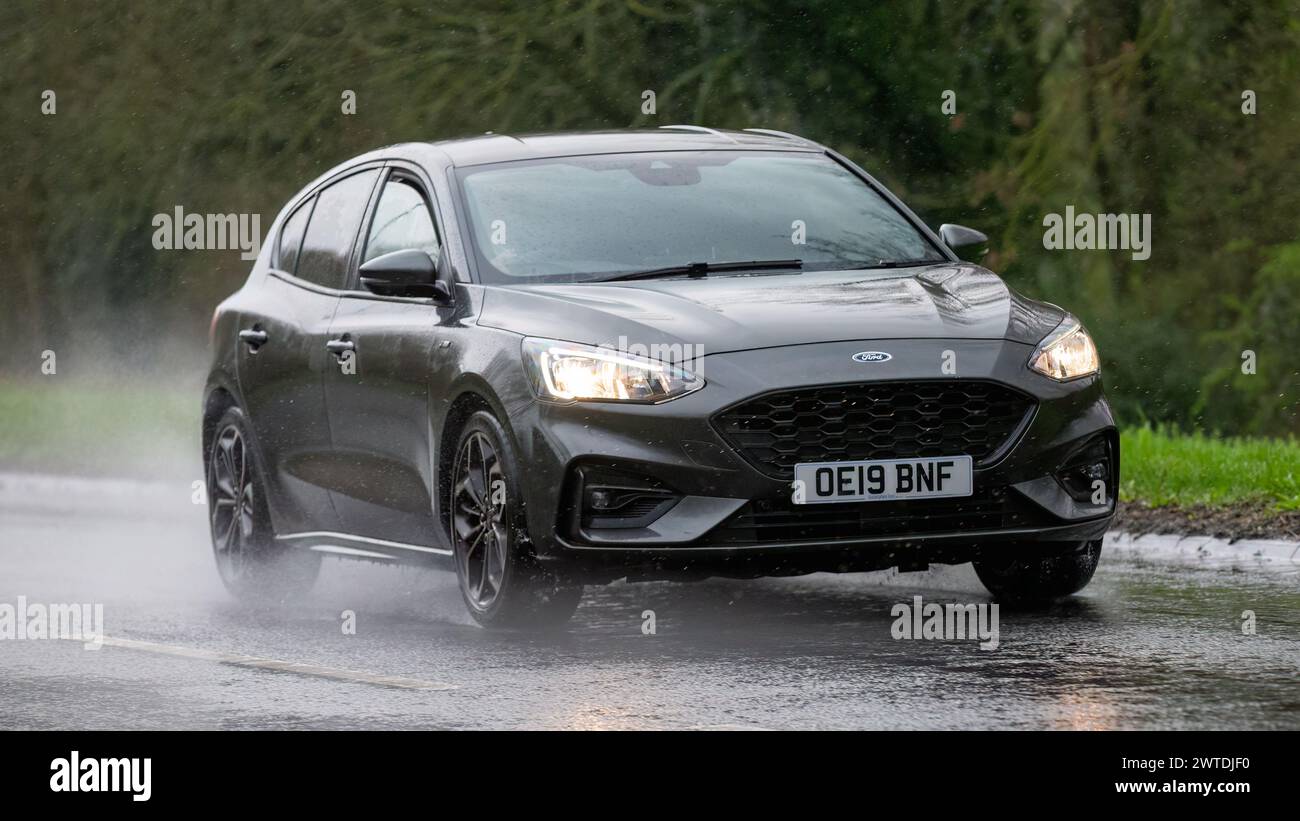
(966, 243)
(405, 273)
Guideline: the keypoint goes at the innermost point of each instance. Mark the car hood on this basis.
(722, 313)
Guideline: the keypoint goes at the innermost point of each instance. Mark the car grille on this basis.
(875, 420)
(772, 522)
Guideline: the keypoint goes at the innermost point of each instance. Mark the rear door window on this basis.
(332, 231)
(291, 237)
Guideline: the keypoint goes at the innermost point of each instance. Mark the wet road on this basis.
(1150, 644)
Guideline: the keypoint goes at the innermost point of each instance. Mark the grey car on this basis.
(557, 360)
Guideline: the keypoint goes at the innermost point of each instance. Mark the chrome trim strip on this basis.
(326, 534)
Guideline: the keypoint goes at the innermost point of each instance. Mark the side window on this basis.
(327, 245)
(402, 221)
(286, 255)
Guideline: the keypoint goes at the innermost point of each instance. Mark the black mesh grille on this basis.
(769, 522)
(876, 420)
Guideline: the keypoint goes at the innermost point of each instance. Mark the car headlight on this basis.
(1066, 353)
(568, 372)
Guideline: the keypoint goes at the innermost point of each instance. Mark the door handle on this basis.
(338, 347)
(254, 337)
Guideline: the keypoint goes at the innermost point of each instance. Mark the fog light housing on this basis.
(608, 498)
(1094, 462)
(624, 507)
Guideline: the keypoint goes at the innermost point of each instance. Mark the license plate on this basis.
(882, 479)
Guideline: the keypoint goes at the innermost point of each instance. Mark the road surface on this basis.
(1154, 642)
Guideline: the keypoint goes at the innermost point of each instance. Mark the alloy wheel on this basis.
(479, 518)
(232, 502)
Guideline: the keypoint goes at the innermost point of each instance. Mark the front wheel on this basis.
(501, 582)
(1040, 579)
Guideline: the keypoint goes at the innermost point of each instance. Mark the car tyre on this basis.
(252, 565)
(1040, 579)
(502, 583)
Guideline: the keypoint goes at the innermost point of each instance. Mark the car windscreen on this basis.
(586, 218)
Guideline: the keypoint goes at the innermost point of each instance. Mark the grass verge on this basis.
(1162, 467)
(136, 428)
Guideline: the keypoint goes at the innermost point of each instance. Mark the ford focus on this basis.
(563, 360)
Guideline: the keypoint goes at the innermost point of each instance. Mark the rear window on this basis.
(581, 218)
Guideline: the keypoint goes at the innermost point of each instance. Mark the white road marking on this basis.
(729, 728)
(314, 670)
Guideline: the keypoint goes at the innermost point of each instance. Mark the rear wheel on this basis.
(1042, 579)
(501, 582)
(251, 564)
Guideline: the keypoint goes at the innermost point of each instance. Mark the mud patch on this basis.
(1246, 520)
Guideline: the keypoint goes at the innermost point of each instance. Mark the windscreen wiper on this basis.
(903, 263)
(702, 269)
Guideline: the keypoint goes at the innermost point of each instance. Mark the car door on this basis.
(377, 390)
(283, 351)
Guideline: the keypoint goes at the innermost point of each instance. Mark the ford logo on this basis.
(872, 356)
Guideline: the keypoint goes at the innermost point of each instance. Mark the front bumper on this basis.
(1019, 503)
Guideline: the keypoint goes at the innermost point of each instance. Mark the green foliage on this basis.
(1145, 367)
(1266, 398)
(1123, 106)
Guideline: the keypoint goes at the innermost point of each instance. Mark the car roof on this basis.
(493, 148)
